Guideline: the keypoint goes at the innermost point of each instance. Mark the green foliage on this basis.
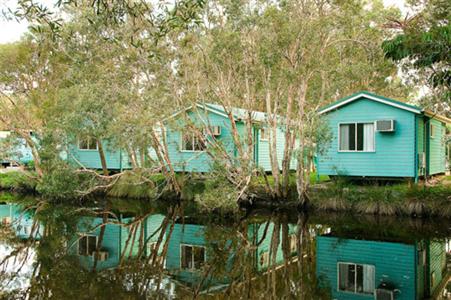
(63, 183)
(137, 185)
(18, 181)
(219, 196)
(398, 199)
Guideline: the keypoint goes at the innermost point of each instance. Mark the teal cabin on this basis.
(376, 269)
(191, 246)
(374, 136)
(20, 221)
(17, 151)
(117, 240)
(190, 153)
(84, 152)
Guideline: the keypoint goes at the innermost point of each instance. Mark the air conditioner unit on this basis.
(102, 255)
(216, 130)
(383, 294)
(385, 125)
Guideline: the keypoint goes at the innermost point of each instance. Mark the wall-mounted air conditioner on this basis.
(102, 255)
(385, 125)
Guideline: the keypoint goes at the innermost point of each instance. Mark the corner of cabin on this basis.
(361, 149)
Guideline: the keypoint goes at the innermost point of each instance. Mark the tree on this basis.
(422, 43)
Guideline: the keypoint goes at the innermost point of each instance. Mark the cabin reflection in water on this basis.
(362, 269)
(119, 240)
(21, 221)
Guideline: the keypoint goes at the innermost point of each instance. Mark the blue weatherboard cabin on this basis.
(19, 153)
(21, 221)
(117, 240)
(188, 152)
(373, 269)
(85, 152)
(374, 136)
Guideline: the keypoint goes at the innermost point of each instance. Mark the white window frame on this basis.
(431, 130)
(355, 123)
(82, 235)
(190, 151)
(265, 130)
(192, 257)
(355, 277)
(88, 139)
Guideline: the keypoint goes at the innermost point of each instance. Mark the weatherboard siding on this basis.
(420, 142)
(264, 149)
(393, 262)
(437, 148)
(394, 152)
(115, 159)
(196, 161)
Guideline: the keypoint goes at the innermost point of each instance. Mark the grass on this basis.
(18, 181)
(397, 199)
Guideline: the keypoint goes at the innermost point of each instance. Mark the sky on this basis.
(11, 30)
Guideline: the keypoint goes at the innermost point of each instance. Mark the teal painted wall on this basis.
(437, 145)
(393, 262)
(437, 263)
(190, 161)
(394, 154)
(21, 222)
(420, 142)
(91, 159)
(21, 152)
(264, 159)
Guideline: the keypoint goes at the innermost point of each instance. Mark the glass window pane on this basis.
(368, 137)
(92, 144)
(344, 137)
(352, 137)
(368, 279)
(359, 279)
(346, 274)
(83, 144)
(83, 246)
(92, 244)
(199, 257)
(186, 257)
(360, 137)
(187, 143)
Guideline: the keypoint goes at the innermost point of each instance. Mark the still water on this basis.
(124, 249)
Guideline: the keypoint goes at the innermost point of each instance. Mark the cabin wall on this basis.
(437, 145)
(437, 264)
(111, 243)
(393, 262)
(263, 151)
(196, 161)
(420, 143)
(394, 154)
(115, 159)
(188, 234)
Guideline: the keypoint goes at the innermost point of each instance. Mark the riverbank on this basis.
(218, 196)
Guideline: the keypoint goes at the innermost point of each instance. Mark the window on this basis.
(264, 134)
(87, 244)
(192, 142)
(87, 143)
(356, 278)
(192, 257)
(356, 137)
(432, 130)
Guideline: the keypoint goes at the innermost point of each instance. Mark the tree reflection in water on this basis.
(165, 252)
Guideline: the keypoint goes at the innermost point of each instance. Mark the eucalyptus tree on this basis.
(287, 59)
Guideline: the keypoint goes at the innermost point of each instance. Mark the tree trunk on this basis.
(102, 158)
(34, 151)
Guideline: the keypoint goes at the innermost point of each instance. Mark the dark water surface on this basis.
(125, 249)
